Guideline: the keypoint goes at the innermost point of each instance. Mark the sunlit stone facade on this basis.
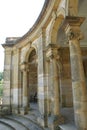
(50, 61)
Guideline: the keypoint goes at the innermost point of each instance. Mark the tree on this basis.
(1, 76)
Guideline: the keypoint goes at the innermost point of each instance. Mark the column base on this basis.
(42, 120)
(15, 110)
(24, 110)
(5, 110)
(54, 121)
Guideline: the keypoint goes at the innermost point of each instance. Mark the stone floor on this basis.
(29, 121)
(68, 114)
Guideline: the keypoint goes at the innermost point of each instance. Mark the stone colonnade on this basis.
(74, 35)
(48, 82)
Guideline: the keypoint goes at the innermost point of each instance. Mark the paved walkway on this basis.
(69, 123)
(29, 121)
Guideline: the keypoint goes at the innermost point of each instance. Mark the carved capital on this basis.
(24, 66)
(52, 51)
(73, 32)
(71, 26)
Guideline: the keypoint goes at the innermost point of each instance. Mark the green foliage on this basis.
(1, 76)
(1, 90)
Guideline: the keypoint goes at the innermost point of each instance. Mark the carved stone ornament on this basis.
(24, 66)
(52, 51)
(71, 25)
(74, 33)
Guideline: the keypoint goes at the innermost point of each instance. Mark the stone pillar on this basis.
(48, 88)
(42, 81)
(6, 100)
(24, 88)
(24, 109)
(55, 118)
(42, 89)
(52, 53)
(15, 85)
(78, 80)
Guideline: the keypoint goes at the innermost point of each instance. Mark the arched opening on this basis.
(84, 57)
(66, 93)
(65, 82)
(32, 81)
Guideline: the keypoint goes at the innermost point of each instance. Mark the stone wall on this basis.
(65, 86)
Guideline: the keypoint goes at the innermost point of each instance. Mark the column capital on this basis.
(73, 21)
(73, 32)
(24, 66)
(52, 51)
(71, 26)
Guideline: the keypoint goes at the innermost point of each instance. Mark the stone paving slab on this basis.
(14, 124)
(5, 127)
(67, 127)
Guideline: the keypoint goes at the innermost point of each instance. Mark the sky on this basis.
(16, 18)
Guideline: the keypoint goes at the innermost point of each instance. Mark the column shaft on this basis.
(48, 89)
(55, 87)
(78, 85)
(78, 79)
(25, 89)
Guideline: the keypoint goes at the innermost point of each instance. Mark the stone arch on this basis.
(29, 52)
(32, 77)
(61, 12)
(55, 27)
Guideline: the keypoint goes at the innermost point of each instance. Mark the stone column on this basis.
(24, 88)
(7, 95)
(24, 109)
(53, 55)
(78, 80)
(15, 85)
(48, 88)
(55, 117)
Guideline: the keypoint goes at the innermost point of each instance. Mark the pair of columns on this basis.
(74, 35)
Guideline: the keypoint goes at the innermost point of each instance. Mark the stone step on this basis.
(23, 123)
(26, 121)
(5, 126)
(14, 124)
(31, 117)
(67, 127)
(33, 120)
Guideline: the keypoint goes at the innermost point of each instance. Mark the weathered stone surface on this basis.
(37, 66)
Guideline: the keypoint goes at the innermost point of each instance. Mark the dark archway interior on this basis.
(32, 77)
